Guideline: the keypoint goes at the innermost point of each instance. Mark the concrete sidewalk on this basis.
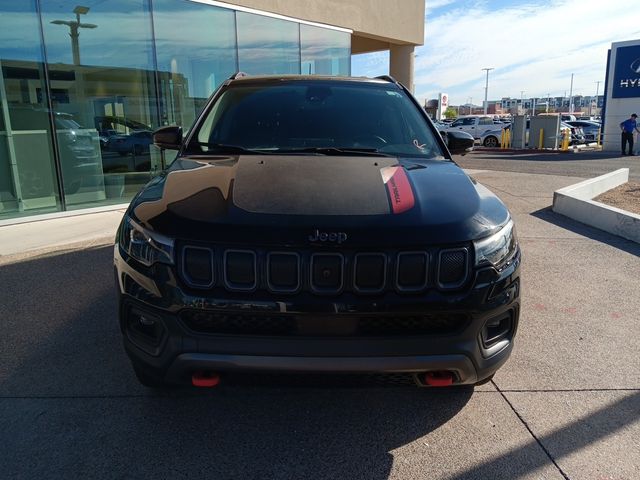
(51, 234)
(565, 406)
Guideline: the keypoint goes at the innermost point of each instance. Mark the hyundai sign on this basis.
(626, 78)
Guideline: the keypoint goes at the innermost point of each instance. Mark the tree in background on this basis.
(450, 113)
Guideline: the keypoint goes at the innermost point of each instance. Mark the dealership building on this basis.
(85, 82)
(622, 91)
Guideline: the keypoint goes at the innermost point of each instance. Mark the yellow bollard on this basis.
(565, 140)
(502, 136)
(541, 140)
(598, 138)
(509, 138)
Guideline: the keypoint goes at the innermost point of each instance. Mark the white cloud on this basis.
(432, 5)
(533, 47)
(370, 64)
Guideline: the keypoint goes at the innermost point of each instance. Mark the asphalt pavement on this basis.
(565, 406)
(585, 164)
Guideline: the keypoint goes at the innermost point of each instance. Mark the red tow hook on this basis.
(205, 379)
(438, 379)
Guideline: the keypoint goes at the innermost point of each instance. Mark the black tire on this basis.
(491, 142)
(485, 381)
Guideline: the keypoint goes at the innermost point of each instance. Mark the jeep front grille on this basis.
(198, 267)
(370, 272)
(283, 272)
(452, 267)
(206, 267)
(327, 273)
(240, 270)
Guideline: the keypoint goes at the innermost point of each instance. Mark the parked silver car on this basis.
(590, 128)
(491, 137)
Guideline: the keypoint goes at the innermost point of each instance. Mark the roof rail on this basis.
(238, 75)
(388, 78)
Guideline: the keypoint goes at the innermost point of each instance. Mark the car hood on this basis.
(292, 199)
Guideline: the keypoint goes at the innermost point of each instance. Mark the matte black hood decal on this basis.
(313, 185)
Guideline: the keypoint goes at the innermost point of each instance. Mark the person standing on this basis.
(628, 127)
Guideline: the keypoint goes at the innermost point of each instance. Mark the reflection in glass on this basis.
(267, 45)
(103, 93)
(27, 171)
(191, 67)
(87, 131)
(324, 51)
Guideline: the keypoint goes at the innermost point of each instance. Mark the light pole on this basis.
(571, 96)
(548, 101)
(597, 91)
(486, 89)
(522, 101)
(74, 25)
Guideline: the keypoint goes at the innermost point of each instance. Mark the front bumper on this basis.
(460, 366)
(177, 350)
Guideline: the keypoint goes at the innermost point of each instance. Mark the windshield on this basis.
(316, 117)
(67, 123)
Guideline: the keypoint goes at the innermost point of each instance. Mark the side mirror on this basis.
(168, 138)
(459, 143)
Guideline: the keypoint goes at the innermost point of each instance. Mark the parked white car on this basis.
(475, 125)
(491, 138)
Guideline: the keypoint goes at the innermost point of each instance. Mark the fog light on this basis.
(146, 321)
(497, 329)
(144, 328)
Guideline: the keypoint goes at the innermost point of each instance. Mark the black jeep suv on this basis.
(313, 224)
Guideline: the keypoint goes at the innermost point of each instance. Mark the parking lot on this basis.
(565, 406)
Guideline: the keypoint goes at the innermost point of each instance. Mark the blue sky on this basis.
(533, 46)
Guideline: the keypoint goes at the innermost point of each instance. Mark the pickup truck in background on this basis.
(474, 125)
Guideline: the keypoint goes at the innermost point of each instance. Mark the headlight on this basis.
(145, 246)
(498, 249)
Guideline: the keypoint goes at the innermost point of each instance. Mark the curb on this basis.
(517, 151)
(572, 149)
(575, 201)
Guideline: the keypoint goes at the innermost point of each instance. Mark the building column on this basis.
(401, 64)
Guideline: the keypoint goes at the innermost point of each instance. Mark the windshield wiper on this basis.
(224, 148)
(372, 152)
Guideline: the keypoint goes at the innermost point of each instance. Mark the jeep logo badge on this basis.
(318, 236)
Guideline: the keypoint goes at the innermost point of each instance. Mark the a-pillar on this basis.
(401, 64)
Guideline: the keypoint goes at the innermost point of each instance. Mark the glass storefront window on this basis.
(27, 168)
(191, 67)
(324, 51)
(267, 45)
(84, 84)
(101, 70)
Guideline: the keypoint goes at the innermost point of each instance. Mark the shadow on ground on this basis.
(71, 408)
(548, 215)
(568, 440)
(70, 403)
(554, 156)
